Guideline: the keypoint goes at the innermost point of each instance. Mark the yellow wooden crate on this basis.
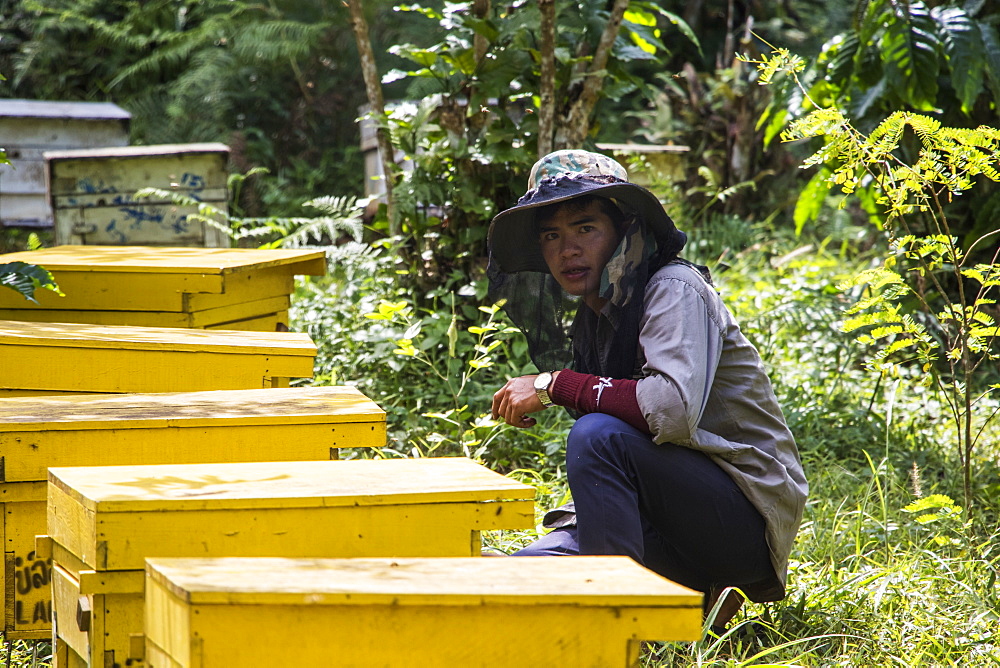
(220, 426)
(43, 358)
(305, 423)
(132, 281)
(445, 612)
(103, 522)
(217, 318)
(25, 586)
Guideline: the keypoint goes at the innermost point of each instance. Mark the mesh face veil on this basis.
(600, 343)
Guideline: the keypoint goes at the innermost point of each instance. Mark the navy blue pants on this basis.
(670, 508)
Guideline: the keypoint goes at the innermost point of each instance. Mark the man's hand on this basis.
(515, 399)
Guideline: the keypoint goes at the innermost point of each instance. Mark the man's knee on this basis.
(593, 434)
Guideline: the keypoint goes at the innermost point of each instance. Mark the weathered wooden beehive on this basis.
(520, 612)
(201, 288)
(295, 424)
(92, 194)
(28, 128)
(104, 522)
(70, 358)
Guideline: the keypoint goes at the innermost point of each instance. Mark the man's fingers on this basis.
(498, 399)
(506, 405)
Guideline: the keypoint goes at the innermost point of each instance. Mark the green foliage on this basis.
(924, 56)
(471, 431)
(472, 133)
(931, 60)
(928, 305)
(25, 278)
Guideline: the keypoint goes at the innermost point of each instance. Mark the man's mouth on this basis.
(573, 273)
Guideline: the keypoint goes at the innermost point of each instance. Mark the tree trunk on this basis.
(547, 85)
(574, 128)
(373, 87)
(481, 10)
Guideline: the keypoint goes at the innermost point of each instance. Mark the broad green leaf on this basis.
(963, 45)
(910, 49)
(676, 20)
(810, 201)
(25, 278)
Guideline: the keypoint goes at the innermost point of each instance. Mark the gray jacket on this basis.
(702, 385)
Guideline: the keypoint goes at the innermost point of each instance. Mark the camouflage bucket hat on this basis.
(558, 177)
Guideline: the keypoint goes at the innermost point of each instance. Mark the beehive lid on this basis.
(156, 150)
(117, 337)
(590, 580)
(169, 260)
(365, 482)
(299, 405)
(96, 111)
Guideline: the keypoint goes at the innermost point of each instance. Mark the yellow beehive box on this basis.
(103, 523)
(220, 426)
(25, 587)
(445, 612)
(233, 288)
(51, 358)
(93, 194)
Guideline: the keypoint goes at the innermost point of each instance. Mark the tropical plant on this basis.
(340, 217)
(928, 310)
(25, 278)
(937, 58)
(466, 430)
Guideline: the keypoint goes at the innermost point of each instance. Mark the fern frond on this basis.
(273, 41)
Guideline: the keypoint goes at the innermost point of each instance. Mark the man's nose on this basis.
(569, 247)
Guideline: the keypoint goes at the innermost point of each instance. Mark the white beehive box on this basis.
(30, 127)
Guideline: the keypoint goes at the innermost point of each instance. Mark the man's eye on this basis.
(548, 236)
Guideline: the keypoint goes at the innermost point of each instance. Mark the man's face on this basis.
(576, 244)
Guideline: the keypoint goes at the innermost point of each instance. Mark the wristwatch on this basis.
(542, 382)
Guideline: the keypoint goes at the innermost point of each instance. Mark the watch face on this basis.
(542, 380)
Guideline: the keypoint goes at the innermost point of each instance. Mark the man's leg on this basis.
(557, 543)
(668, 507)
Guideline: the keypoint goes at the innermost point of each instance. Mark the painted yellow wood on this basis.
(7, 393)
(27, 609)
(266, 323)
(161, 280)
(203, 264)
(72, 610)
(105, 521)
(307, 423)
(526, 611)
(107, 358)
(192, 320)
(112, 518)
(113, 617)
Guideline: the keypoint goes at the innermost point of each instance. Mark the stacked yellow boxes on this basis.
(104, 522)
(216, 426)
